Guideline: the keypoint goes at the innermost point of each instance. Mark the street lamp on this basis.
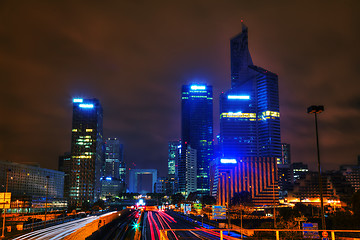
(316, 110)
(6, 189)
(47, 190)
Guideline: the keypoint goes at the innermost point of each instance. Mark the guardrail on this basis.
(37, 225)
(272, 233)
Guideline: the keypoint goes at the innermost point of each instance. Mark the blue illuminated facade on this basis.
(249, 111)
(114, 167)
(87, 153)
(197, 130)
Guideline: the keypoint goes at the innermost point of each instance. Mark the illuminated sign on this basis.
(86, 105)
(77, 100)
(241, 97)
(197, 87)
(223, 160)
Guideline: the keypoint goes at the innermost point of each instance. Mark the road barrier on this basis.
(89, 228)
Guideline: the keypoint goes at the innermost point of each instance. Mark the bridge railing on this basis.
(232, 234)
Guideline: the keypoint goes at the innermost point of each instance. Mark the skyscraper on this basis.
(173, 156)
(187, 170)
(249, 111)
(249, 126)
(113, 157)
(86, 151)
(197, 129)
(173, 163)
(114, 169)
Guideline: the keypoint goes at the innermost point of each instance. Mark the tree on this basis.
(99, 205)
(355, 200)
(241, 198)
(207, 200)
(192, 197)
(177, 198)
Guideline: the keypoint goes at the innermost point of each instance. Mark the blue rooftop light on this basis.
(241, 97)
(108, 178)
(86, 105)
(224, 160)
(77, 100)
(197, 87)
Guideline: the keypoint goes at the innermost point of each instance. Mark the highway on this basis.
(121, 228)
(124, 228)
(158, 220)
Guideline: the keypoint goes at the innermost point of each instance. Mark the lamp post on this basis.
(273, 179)
(6, 189)
(316, 110)
(47, 190)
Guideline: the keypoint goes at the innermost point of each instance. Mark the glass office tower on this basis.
(197, 129)
(249, 111)
(86, 152)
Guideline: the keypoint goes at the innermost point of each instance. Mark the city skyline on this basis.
(136, 63)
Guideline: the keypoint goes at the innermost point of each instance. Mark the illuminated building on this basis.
(254, 175)
(173, 155)
(187, 171)
(299, 170)
(64, 165)
(28, 186)
(250, 122)
(173, 161)
(110, 187)
(285, 171)
(114, 163)
(138, 182)
(86, 152)
(197, 129)
(285, 154)
(352, 174)
(249, 111)
(334, 187)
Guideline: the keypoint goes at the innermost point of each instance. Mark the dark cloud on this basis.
(134, 57)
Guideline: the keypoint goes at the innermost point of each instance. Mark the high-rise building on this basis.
(197, 129)
(113, 156)
(250, 121)
(285, 154)
(187, 172)
(173, 161)
(249, 111)
(299, 171)
(30, 185)
(113, 181)
(86, 151)
(285, 171)
(64, 165)
(352, 174)
(173, 156)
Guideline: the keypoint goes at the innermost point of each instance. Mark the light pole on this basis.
(6, 189)
(273, 178)
(316, 110)
(47, 190)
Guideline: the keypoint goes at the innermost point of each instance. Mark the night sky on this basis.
(135, 55)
